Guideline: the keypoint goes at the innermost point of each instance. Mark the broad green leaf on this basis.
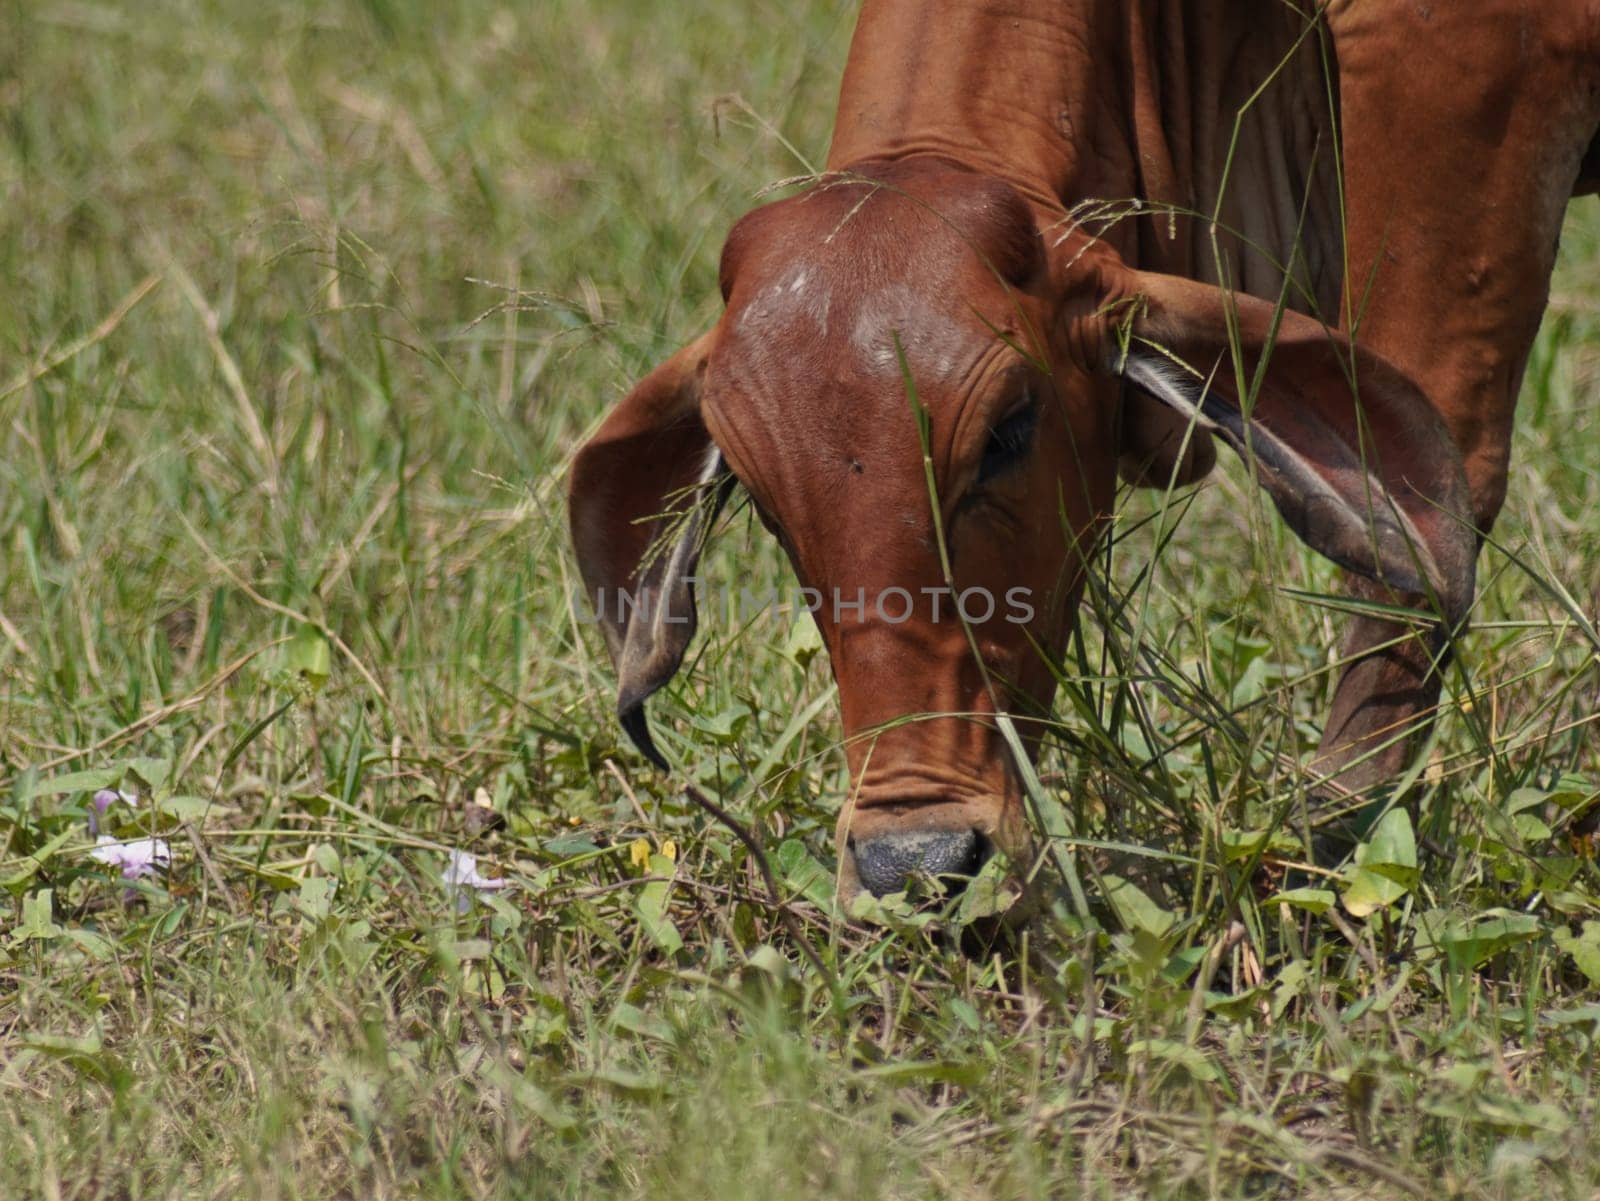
(1573, 791)
(1468, 941)
(1530, 827)
(1366, 892)
(725, 726)
(1181, 965)
(647, 1025)
(802, 874)
(1293, 981)
(965, 1014)
(152, 772)
(1312, 900)
(1581, 1015)
(569, 845)
(309, 656)
(1135, 910)
(1584, 948)
(190, 808)
(893, 911)
(95, 946)
(1241, 844)
(769, 961)
(652, 907)
(803, 641)
(1569, 903)
(316, 896)
(993, 891)
(38, 919)
(326, 856)
(1385, 868)
(1525, 798)
(1392, 850)
(86, 1054)
(80, 781)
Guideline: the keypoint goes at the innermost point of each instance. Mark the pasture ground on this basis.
(305, 308)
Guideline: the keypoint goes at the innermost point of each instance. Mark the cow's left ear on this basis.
(1354, 456)
(642, 496)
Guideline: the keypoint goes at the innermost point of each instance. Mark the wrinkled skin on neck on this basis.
(1111, 99)
(920, 281)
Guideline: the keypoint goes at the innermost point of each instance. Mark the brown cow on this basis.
(1392, 171)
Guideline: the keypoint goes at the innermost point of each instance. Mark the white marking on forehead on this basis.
(793, 297)
(937, 345)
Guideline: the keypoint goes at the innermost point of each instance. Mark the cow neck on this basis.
(1078, 100)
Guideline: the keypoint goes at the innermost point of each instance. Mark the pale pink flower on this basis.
(137, 858)
(103, 800)
(462, 881)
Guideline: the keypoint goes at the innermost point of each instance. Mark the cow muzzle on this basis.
(930, 847)
(889, 863)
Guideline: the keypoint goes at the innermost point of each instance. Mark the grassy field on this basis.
(306, 308)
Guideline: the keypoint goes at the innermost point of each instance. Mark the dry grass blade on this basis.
(77, 346)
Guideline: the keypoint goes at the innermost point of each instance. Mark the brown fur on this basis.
(967, 133)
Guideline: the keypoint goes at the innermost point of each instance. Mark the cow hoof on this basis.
(887, 863)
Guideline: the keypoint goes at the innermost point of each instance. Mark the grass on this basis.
(305, 311)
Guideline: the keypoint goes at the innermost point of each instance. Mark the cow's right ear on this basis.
(1354, 456)
(642, 496)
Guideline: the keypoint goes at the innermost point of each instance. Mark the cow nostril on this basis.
(887, 863)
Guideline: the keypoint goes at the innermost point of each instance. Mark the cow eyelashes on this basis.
(1009, 443)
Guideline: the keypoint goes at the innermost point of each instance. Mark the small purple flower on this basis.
(136, 858)
(462, 881)
(103, 800)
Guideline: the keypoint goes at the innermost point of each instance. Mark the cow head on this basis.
(915, 374)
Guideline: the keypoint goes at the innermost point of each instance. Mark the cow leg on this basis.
(1385, 701)
(1454, 197)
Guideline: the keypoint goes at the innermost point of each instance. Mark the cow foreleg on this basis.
(1383, 706)
(1455, 195)
(1393, 671)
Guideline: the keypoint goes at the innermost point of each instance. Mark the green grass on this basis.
(305, 310)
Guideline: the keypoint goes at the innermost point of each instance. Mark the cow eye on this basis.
(1009, 443)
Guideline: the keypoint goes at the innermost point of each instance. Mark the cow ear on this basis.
(642, 496)
(1354, 456)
